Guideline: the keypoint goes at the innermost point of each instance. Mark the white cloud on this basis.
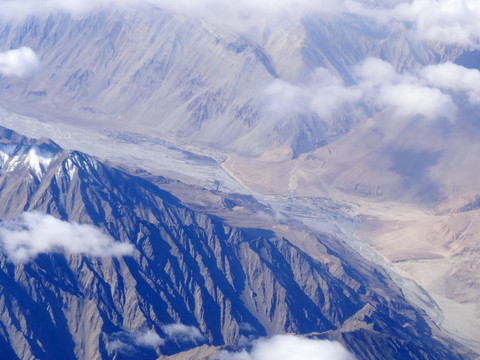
(407, 94)
(22, 62)
(284, 97)
(180, 332)
(331, 93)
(429, 92)
(419, 94)
(273, 215)
(148, 339)
(205, 8)
(246, 10)
(374, 72)
(411, 99)
(444, 21)
(290, 347)
(240, 15)
(126, 342)
(15, 8)
(323, 94)
(120, 346)
(34, 233)
(454, 77)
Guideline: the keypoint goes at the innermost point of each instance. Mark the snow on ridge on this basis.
(77, 161)
(37, 161)
(6, 151)
(70, 168)
(35, 158)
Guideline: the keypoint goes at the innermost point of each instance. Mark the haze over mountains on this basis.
(211, 83)
(346, 131)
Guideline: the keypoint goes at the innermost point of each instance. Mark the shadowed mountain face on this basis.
(221, 283)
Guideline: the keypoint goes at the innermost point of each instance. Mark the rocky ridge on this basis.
(187, 268)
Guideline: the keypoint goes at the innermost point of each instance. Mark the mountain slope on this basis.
(149, 66)
(397, 143)
(187, 268)
(159, 73)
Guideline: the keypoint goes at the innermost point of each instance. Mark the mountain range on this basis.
(255, 174)
(218, 284)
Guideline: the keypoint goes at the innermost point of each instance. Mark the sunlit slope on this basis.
(153, 71)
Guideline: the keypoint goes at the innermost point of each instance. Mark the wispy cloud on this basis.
(199, 8)
(34, 233)
(127, 342)
(323, 93)
(407, 94)
(22, 62)
(16, 9)
(430, 92)
(443, 21)
(455, 78)
(290, 347)
(182, 333)
(440, 21)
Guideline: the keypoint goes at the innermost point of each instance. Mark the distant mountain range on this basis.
(162, 73)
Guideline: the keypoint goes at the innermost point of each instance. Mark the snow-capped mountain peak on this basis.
(34, 158)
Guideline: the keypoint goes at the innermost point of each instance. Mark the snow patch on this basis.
(70, 168)
(36, 159)
(6, 151)
(37, 163)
